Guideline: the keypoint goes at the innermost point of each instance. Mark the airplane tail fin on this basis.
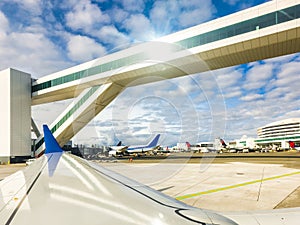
(223, 143)
(154, 142)
(292, 144)
(50, 142)
(188, 144)
(119, 143)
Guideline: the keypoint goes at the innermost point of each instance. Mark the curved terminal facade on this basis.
(289, 127)
(280, 133)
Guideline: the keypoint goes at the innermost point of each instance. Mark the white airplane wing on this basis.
(63, 189)
(60, 188)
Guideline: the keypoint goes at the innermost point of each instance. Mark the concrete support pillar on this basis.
(15, 115)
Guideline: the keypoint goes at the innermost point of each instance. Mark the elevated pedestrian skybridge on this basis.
(250, 35)
(265, 31)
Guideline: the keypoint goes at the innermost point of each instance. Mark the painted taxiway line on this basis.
(234, 186)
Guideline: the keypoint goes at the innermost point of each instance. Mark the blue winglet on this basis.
(50, 142)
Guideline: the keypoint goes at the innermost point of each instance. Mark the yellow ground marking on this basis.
(234, 186)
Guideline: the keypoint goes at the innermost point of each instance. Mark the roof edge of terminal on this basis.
(282, 122)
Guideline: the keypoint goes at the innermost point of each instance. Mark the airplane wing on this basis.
(61, 188)
(123, 149)
(120, 149)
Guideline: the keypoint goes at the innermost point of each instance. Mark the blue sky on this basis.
(41, 37)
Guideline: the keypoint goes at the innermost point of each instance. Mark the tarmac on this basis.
(222, 184)
(6, 170)
(217, 183)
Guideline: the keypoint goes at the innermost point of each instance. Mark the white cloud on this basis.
(276, 93)
(118, 15)
(258, 76)
(28, 50)
(290, 114)
(161, 11)
(226, 78)
(231, 2)
(139, 27)
(4, 25)
(68, 4)
(110, 35)
(133, 5)
(240, 5)
(251, 97)
(285, 85)
(195, 12)
(233, 92)
(289, 75)
(259, 72)
(180, 14)
(169, 107)
(32, 6)
(280, 101)
(85, 16)
(281, 60)
(81, 49)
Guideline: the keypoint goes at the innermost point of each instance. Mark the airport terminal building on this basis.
(279, 133)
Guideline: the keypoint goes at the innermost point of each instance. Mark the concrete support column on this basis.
(15, 115)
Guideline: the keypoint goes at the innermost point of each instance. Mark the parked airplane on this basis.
(127, 150)
(60, 188)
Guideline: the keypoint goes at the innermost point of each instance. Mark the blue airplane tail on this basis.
(154, 142)
(50, 142)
